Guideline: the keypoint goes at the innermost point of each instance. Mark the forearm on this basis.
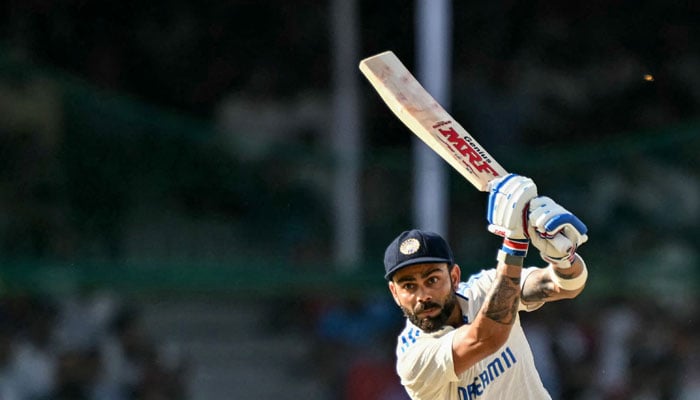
(493, 323)
(501, 304)
(545, 284)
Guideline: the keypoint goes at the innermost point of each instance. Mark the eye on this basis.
(409, 286)
(433, 280)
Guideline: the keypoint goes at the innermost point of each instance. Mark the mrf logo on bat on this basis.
(478, 159)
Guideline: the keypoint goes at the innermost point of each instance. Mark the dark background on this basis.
(166, 209)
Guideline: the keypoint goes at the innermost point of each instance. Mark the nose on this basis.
(423, 296)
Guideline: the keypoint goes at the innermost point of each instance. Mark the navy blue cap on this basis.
(416, 247)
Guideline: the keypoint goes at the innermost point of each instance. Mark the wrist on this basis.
(558, 263)
(567, 282)
(513, 251)
(509, 259)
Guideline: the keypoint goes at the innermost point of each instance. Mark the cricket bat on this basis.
(422, 114)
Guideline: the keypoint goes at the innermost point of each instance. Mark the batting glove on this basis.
(508, 201)
(555, 231)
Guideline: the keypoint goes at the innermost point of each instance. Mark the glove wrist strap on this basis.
(515, 247)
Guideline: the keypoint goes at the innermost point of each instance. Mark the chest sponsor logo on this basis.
(493, 371)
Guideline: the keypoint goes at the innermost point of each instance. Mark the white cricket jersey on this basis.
(425, 365)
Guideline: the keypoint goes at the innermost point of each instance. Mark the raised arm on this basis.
(557, 234)
(508, 200)
(491, 327)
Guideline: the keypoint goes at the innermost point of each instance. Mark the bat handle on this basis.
(561, 243)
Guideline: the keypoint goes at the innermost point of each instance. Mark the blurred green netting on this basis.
(145, 199)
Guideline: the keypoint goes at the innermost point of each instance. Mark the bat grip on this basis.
(561, 243)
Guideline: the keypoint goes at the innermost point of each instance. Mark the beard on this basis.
(432, 324)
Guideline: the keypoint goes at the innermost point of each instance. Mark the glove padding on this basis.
(555, 231)
(508, 200)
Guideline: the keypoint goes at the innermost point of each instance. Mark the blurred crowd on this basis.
(90, 346)
(611, 348)
(614, 348)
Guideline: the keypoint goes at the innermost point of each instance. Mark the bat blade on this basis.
(428, 120)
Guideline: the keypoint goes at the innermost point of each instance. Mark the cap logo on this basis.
(409, 246)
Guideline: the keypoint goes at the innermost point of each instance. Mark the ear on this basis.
(455, 276)
(392, 289)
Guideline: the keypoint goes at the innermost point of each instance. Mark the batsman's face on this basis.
(426, 294)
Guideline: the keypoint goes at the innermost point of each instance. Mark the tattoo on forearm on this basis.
(537, 293)
(502, 302)
(540, 287)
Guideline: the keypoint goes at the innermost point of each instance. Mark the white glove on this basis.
(508, 200)
(555, 231)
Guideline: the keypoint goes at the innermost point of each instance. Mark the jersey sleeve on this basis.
(475, 290)
(426, 366)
